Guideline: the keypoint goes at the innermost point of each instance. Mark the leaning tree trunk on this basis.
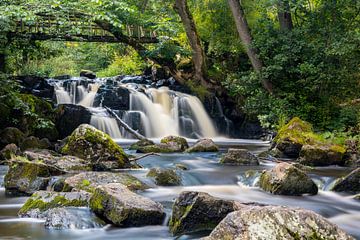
(245, 36)
(284, 15)
(199, 57)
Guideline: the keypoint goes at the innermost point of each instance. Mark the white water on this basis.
(103, 122)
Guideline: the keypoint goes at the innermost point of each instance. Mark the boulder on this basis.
(11, 135)
(157, 148)
(198, 211)
(41, 201)
(168, 144)
(286, 179)
(9, 151)
(116, 204)
(322, 155)
(349, 183)
(239, 157)
(179, 144)
(88, 143)
(34, 143)
(69, 117)
(88, 181)
(116, 98)
(25, 177)
(37, 86)
(204, 145)
(275, 222)
(72, 218)
(357, 197)
(141, 143)
(88, 74)
(164, 177)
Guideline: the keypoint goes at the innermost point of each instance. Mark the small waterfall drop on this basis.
(62, 96)
(103, 122)
(89, 96)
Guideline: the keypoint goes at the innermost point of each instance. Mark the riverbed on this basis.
(205, 174)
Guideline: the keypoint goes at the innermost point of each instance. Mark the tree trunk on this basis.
(2, 62)
(199, 57)
(245, 36)
(284, 15)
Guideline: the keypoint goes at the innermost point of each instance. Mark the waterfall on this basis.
(89, 97)
(103, 122)
(62, 96)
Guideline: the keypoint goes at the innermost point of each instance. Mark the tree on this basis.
(284, 15)
(245, 35)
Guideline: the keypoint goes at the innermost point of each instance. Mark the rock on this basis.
(41, 201)
(350, 183)
(204, 145)
(88, 181)
(239, 157)
(357, 197)
(66, 163)
(9, 151)
(37, 86)
(141, 143)
(11, 135)
(165, 177)
(69, 117)
(275, 222)
(157, 148)
(116, 98)
(177, 143)
(285, 179)
(198, 211)
(34, 143)
(322, 155)
(181, 166)
(118, 205)
(88, 143)
(88, 74)
(72, 218)
(25, 177)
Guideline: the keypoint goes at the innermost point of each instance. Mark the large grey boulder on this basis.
(198, 211)
(286, 179)
(350, 183)
(274, 223)
(239, 157)
(203, 145)
(115, 203)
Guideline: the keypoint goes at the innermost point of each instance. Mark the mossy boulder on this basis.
(198, 211)
(11, 135)
(286, 179)
(164, 177)
(34, 143)
(141, 143)
(177, 143)
(88, 181)
(357, 197)
(168, 144)
(322, 155)
(276, 222)
(88, 143)
(349, 183)
(115, 203)
(203, 145)
(9, 151)
(239, 157)
(88, 74)
(25, 177)
(42, 201)
(156, 148)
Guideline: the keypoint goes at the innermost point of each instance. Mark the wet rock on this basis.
(25, 177)
(350, 183)
(168, 144)
(141, 143)
(37, 86)
(181, 166)
(322, 155)
(116, 204)
(11, 135)
(69, 117)
(9, 151)
(204, 145)
(41, 201)
(34, 143)
(357, 197)
(157, 148)
(72, 218)
(90, 144)
(285, 179)
(88, 181)
(165, 177)
(177, 143)
(116, 98)
(239, 157)
(275, 222)
(88, 74)
(198, 211)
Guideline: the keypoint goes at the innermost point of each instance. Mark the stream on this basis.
(205, 174)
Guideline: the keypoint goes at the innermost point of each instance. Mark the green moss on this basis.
(97, 200)
(155, 149)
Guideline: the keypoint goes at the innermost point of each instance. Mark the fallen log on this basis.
(125, 125)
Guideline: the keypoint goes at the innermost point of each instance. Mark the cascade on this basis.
(103, 122)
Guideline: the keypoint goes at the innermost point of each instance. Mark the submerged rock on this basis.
(286, 179)
(239, 157)
(168, 144)
(350, 183)
(116, 204)
(11, 135)
(322, 155)
(72, 218)
(165, 177)
(141, 143)
(88, 143)
(88, 181)
(273, 223)
(177, 143)
(198, 211)
(41, 201)
(204, 145)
